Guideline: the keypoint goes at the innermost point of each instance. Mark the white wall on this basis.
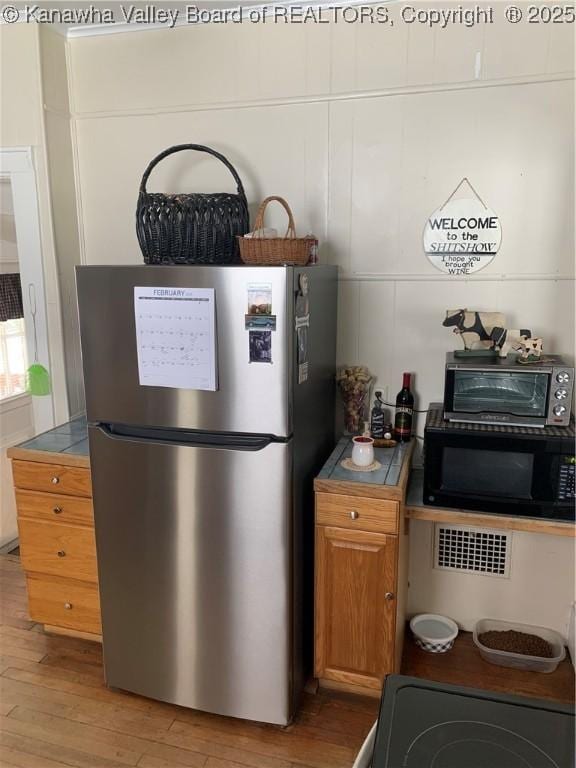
(365, 130)
(22, 125)
(60, 154)
(540, 589)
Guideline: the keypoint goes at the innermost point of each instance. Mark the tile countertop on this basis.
(66, 444)
(389, 481)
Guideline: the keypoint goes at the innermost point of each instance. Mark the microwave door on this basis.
(498, 473)
(490, 473)
(522, 394)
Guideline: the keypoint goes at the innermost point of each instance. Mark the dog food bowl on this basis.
(434, 633)
(519, 660)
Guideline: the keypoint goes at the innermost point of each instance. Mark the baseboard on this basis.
(51, 630)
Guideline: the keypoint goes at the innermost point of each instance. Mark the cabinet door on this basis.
(355, 620)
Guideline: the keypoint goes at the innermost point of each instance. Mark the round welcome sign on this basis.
(462, 237)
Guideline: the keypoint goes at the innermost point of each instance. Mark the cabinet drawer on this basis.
(52, 478)
(52, 507)
(63, 603)
(357, 513)
(61, 550)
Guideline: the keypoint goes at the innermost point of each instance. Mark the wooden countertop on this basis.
(463, 665)
(66, 444)
(416, 510)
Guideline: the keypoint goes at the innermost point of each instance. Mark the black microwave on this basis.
(503, 391)
(495, 468)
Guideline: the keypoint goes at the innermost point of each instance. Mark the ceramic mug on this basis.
(363, 451)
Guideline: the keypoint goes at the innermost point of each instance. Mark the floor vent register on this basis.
(474, 550)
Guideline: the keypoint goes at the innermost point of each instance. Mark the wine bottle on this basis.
(404, 412)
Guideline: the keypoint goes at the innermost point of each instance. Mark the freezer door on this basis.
(194, 557)
(251, 396)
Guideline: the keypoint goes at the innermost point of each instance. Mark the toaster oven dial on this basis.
(562, 377)
(561, 394)
(559, 410)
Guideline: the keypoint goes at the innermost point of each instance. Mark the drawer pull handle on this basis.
(354, 514)
(389, 595)
(61, 553)
(55, 480)
(57, 510)
(68, 606)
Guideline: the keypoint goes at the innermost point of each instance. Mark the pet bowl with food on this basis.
(520, 646)
(434, 633)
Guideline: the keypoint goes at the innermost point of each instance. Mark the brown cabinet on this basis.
(357, 513)
(53, 478)
(57, 542)
(355, 614)
(360, 577)
(65, 604)
(58, 549)
(53, 507)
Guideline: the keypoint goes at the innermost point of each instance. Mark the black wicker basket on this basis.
(195, 228)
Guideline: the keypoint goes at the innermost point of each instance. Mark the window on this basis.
(13, 362)
(21, 252)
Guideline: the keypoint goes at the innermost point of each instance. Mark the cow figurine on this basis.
(474, 328)
(531, 351)
(506, 339)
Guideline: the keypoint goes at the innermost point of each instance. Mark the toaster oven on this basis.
(504, 391)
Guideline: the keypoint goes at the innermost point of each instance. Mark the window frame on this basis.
(17, 165)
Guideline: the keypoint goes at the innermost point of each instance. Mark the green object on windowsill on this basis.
(37, 376)
(38, 380)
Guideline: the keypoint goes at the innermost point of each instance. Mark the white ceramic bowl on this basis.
(434, 633)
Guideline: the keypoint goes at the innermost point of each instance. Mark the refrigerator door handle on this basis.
(193, 438)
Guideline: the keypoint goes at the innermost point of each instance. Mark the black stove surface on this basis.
(423, 724)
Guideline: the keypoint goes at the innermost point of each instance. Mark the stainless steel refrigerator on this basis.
(207, 424)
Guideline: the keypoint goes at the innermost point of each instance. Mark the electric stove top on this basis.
(423, 724)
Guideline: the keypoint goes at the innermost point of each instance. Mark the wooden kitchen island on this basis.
(56, 528)
(361, 567)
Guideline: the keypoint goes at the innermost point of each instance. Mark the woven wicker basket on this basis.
(273, 251)
(191, 228)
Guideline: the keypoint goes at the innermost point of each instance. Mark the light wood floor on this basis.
(55, 711)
